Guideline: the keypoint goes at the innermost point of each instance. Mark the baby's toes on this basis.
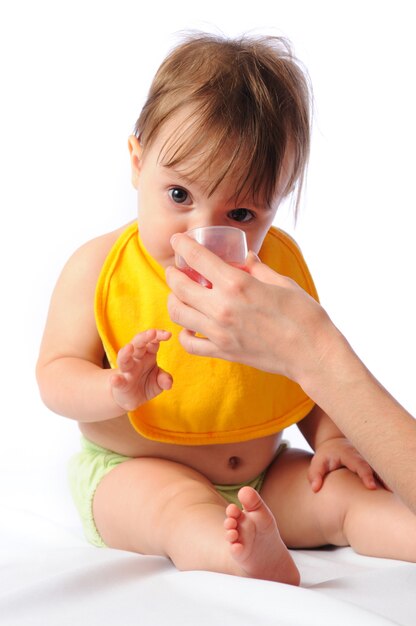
(230, 523)
(233, 511)
(231, 535)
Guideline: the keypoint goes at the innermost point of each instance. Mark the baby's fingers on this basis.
(118, 381)
(148, 341)
(366, 474)
(318, 469)
(152, 335)
(157, 382)
(164, 380)
(125, 359)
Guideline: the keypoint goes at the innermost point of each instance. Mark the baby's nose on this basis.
(204, 223)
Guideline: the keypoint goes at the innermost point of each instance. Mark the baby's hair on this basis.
(241, 103)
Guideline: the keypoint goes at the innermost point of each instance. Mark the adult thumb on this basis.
(260, 270)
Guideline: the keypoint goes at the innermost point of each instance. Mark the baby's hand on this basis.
(138, 377)
(333, 454)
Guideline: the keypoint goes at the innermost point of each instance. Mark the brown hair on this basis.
(245, 101)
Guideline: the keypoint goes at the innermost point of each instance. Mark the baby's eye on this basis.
(241, 215)
(179, 195)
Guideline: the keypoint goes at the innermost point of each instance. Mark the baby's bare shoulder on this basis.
(99, 247)
(78, 278)
(88, 259)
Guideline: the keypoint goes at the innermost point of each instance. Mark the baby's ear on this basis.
(136, 151)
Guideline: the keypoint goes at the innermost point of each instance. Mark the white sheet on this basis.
(50, 576)
(62, 174)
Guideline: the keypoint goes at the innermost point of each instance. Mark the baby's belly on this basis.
(226, 464)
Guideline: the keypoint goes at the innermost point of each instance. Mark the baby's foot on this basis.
(255, 542)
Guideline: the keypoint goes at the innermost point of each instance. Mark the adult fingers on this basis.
(187, 291)
(200, 346)
(265, 274)
(185, 315)
(200, 258)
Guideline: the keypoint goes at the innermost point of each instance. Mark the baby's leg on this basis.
(158, 507)
(343, 512)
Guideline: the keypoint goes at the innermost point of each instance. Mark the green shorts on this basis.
(89, 466)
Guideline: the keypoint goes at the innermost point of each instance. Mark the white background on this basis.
(74, 75)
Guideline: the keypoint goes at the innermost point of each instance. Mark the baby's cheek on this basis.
(156, 241)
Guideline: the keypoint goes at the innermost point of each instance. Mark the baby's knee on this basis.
(341, 490)
(344, 483)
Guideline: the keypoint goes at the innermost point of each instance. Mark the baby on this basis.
(182, 456)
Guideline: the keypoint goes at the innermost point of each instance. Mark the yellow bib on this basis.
(211, 401)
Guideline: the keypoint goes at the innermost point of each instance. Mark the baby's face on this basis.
(169, 203)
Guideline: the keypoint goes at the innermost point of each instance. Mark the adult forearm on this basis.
(375, 423)
(77, 389)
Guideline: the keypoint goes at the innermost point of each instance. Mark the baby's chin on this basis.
(166, 261)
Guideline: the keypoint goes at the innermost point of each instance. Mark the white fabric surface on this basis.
(50, 576)
(62, 174)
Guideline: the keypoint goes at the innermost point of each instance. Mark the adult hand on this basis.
(258, 317)
(265, 320)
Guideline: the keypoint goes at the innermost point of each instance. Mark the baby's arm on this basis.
(70, 372)
(332, 450)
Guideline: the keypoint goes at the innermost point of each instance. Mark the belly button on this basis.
(234, 462)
